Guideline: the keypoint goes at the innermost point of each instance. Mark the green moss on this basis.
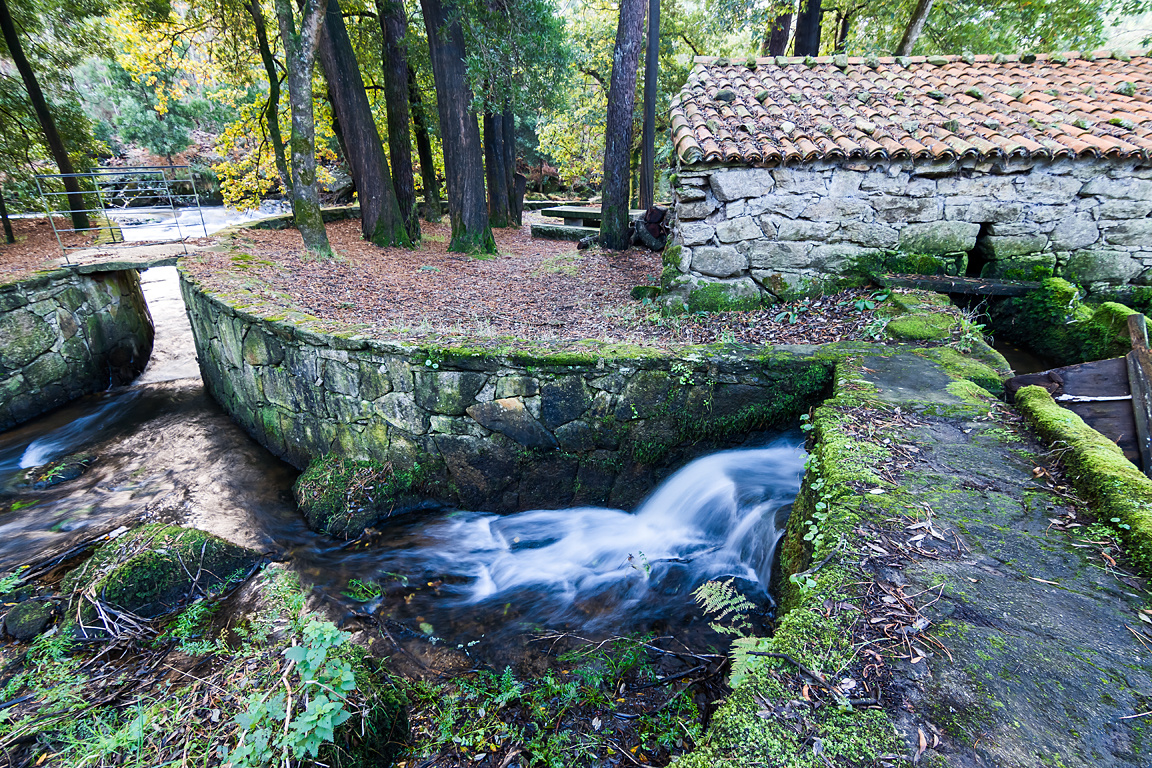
(967, 367)
(718, 297)
(343, 497)
(1053, 322)
(671, 255)
(922, 327)
(150, 571)
(1119, 492)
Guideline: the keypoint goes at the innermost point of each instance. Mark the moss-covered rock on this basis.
(1055, 323)
(155, 569)
(923, 327)
(61, 471)
(343, 497)
(28, 619)
(735, 296)
(1121, 493)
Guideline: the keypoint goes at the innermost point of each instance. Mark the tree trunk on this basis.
(424, 150)
(272, 111)
(463, 154)
(515, 198)
(9, 236)
(380, 219)
(44, 116)
(914, 28)
(648, 139)
(781, 32)
(808, 29)
(499, 210)
(844, 27)
(300, 56)
(618, 131)
(394, 23)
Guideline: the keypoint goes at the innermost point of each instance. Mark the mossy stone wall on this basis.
(492, 429)
(64, 335)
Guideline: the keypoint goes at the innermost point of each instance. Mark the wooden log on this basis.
(1138, 331)
(966, 285)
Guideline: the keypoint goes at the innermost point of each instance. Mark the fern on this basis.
(721, 600)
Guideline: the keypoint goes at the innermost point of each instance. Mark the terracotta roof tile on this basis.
(1060, 105)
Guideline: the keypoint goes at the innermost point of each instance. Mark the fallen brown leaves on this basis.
(541, 290)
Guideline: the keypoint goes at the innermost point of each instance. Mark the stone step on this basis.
(561, 232)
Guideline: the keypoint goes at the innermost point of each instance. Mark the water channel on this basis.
(166, 452)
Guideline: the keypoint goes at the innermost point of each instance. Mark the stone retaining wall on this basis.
(759, 233)
(493, 430)
(64, 335)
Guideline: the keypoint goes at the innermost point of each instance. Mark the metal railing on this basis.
(113, 189)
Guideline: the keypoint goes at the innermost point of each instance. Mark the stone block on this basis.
(480, 468)
(343, 378)
(516, 386)
(644, 397)
(884, 182)
(400, 410)
(739, 183)
(741, 294)
(46, 369)
(921, 188)
(738, 229)
(1128, 189)
(576, 437)
(696, 233)
(796, 181)
(259, 349)
(1040, 187)
(613, 382)
(1101, 266)
(1005, 246)
(806, 230)
(447, 392)
(845, 183)
(785, 284)
(24, 337)
(1014, 229)
(509, 417)
(939, 237)
(718, 262)
(838, 209)
(696, 210)
(564, 400)
(982, 211)
(784, 205)
(1124, 209)
(867, 235)
(976, 186)
(779, 256)
(1074, 232)
(900, 209)
(833, 259)
(374, 382)
(400, 374)
(689, 194)
(1137, 232)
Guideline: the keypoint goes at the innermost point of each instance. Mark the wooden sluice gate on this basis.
(1114, 396)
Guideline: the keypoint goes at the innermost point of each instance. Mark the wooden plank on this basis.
(1139, 363)
(585, 212)
(966, 285)
(1102, 378)
(1113, 420)
(1138, 330)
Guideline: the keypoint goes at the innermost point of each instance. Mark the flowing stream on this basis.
(167, 452)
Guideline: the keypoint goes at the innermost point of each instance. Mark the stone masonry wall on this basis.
(64, 335)
(492, 430)
(761, 233)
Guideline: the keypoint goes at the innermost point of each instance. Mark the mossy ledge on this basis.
(1120, 493)
(488, 424)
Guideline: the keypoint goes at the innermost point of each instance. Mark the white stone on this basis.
(724, 261)
(977, 186)
(779, 255)
(806, 230)
(1040, 187)
(981, 211)
(401, 411)
(795, 181)
(1121, 189)
(1010, 229)
(1125, 209)
(1074, 232)
(879, 181)
(901, 209)
(786, 205)
(696, 210)
(735, 230)
(867, 235)
(696, 233)
(740, 182)
(1135, 232)
(921, 188)
(838, 209)
(685, 262)
(845, 183)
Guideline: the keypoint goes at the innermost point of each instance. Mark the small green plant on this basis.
(723, 601)
(13, 580)
(683, 373)
(791, 313)
(363, 591)
(875, 329)
(806, 424)
(273, 727)
(190, 626)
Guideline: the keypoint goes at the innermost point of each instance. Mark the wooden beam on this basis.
(1139, 362)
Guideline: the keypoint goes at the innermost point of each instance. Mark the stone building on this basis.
(797, 171)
